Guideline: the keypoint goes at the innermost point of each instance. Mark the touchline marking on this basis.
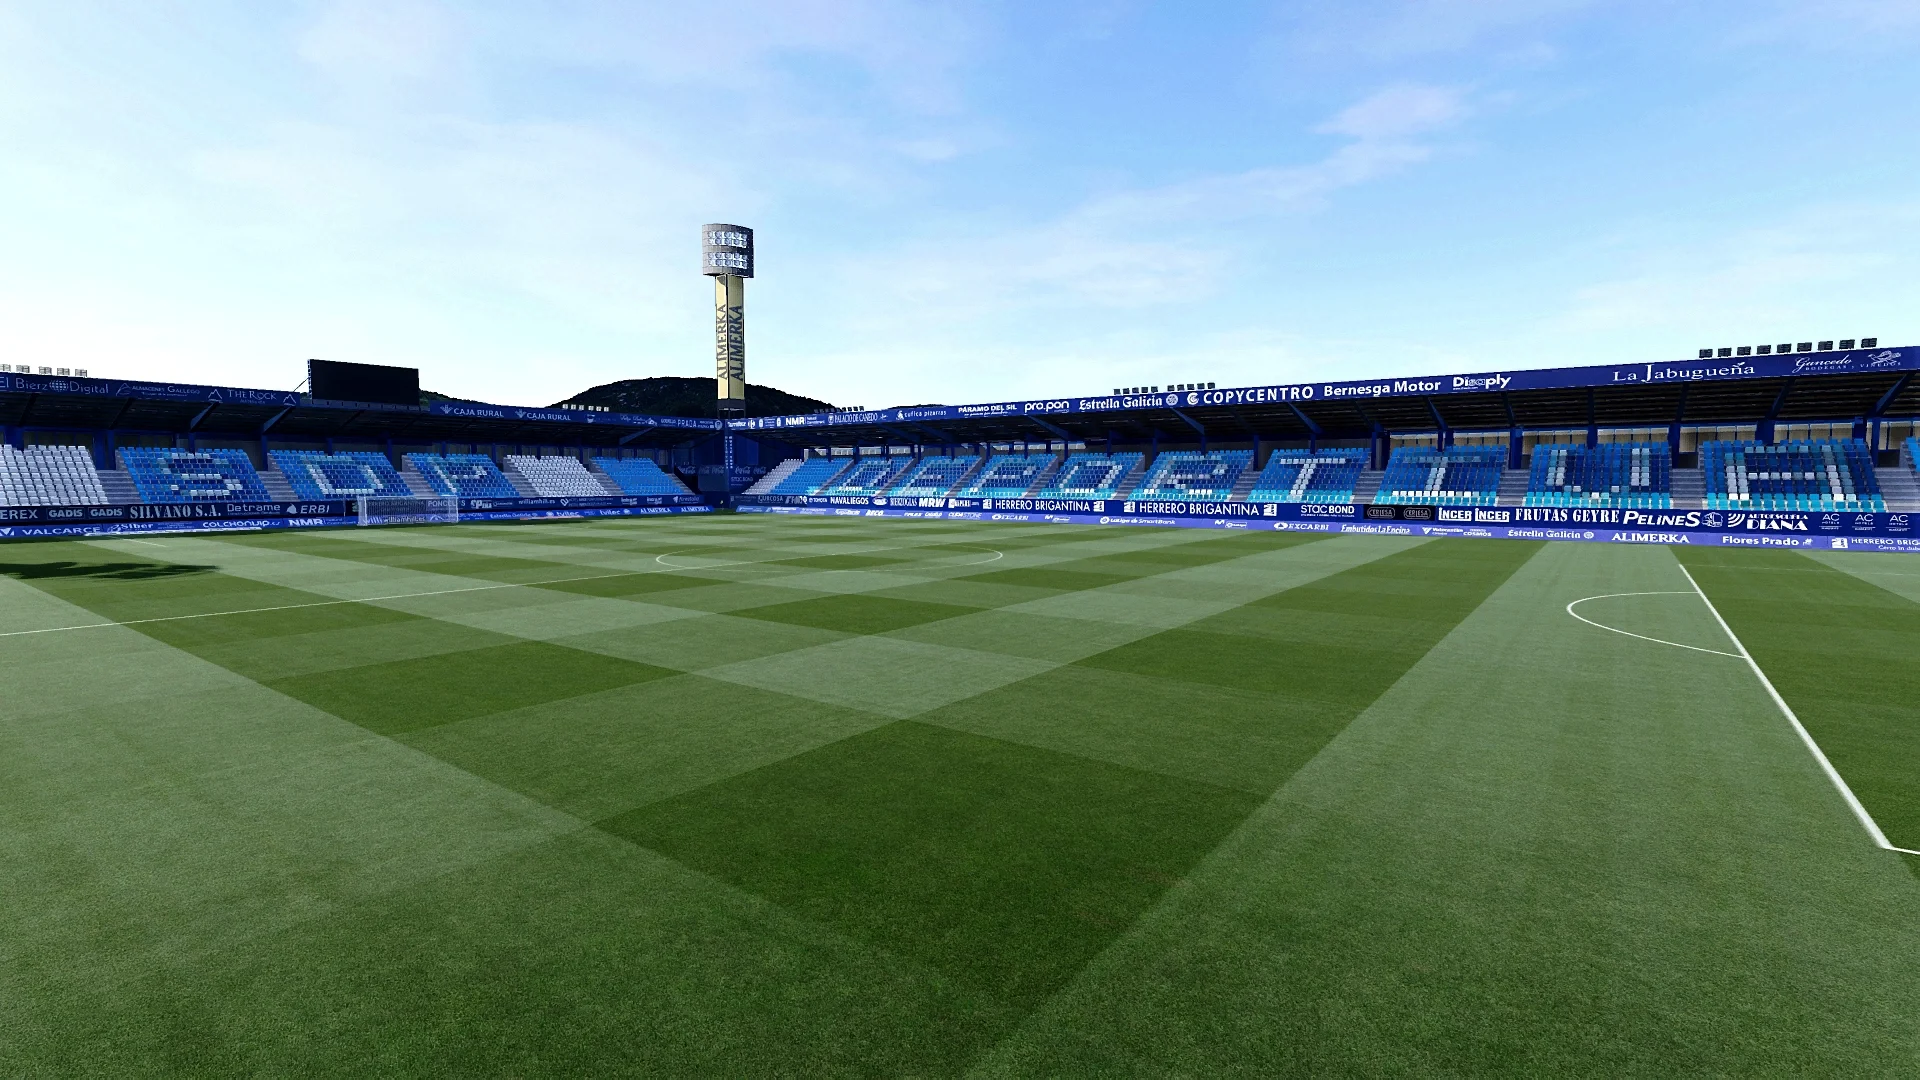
(1853, 802)
(1631, 634)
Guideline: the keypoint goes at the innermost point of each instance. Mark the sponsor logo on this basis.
(1817, 364)
(1653, 373)
(1480, 382)
(1650, 538)
(1304, 526)
(1344, 510)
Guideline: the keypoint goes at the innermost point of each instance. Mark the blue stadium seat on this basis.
(1194, 476)
(316, 475)
(1090, 476)
(640, 476)
(1327, 476)
(1634, 476)
(468, 476)
(933, 477)
(1811, 474)
(185, 476)
(810, 476)
(870, 476)
(1456, 476)
(1006, 476)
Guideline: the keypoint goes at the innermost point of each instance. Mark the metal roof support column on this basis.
(1195, 425)
(1313, 429)
(1443, 435)
(1764, 430)
(1593, 429)
(391, 460)
(1673, 429)
(1880, 408)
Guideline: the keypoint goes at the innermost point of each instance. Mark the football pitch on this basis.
(741, 795)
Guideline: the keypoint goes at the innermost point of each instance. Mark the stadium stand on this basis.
(1090, 476)
(869, 476)
(811, 476)
(640, 476)
(185, 476)
(49, 476)
(1813, 474)
(1912, 446)
(1324, 477)
(1456, 476)
(468, 476)
(934, 476)
(1194, 476)
(315, 475)
(556, 477)
(1634, 476)
(1006, 476)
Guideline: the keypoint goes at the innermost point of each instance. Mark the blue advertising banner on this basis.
(479, 411)
(23, 521)
(1823, 530)
(1727, 368)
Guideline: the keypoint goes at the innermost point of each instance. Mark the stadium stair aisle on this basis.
(1547, 850)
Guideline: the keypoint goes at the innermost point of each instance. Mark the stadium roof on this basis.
(1816, 386)
(41, 401)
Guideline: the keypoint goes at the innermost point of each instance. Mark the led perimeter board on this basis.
(330, 380)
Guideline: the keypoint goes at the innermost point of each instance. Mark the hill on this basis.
(676, 396)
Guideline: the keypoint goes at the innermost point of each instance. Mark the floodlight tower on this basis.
(727, 257)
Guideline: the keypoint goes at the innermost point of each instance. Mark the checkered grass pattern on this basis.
(749, 795)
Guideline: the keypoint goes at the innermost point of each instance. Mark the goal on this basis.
(401, 510)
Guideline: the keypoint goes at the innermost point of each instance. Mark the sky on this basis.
(952, 202)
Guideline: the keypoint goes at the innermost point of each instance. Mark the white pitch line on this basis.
(1631, 634)
(1853, 802)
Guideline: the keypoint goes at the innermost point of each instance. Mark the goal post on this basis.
(403, 510)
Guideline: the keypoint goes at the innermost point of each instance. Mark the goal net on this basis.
(400, 510)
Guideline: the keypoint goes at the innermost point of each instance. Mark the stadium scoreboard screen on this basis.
(331, 380)
(726, 251)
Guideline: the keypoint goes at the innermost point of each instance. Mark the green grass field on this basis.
(742, 795)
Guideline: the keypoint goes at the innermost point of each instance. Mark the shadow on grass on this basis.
(125, 571)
